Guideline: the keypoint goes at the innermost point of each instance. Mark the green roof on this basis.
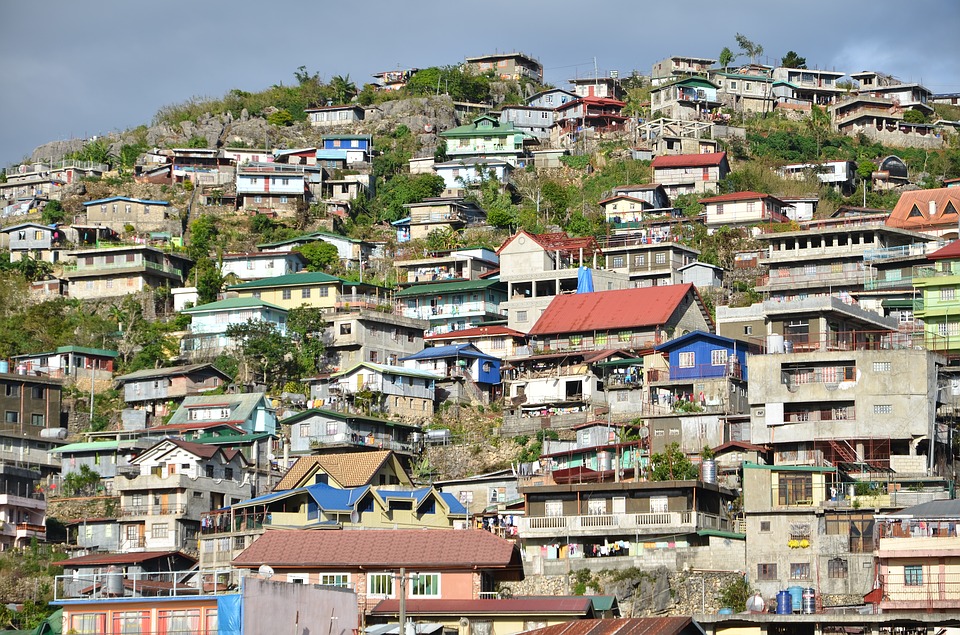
(630, 361)
(721, 534)
(231, 304)
(693, 81)
(232, 438)
(103, 352)
(291, 279)
(471, 130)
(390, 370)
(88, 446)
(602, 602)
(446, 287)
(789, 468)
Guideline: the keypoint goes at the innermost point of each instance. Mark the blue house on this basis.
(471, 374)
(700, 355)
(359, 147)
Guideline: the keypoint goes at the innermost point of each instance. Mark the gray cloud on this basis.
(72, 69)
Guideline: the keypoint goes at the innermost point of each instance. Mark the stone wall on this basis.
(67, 509)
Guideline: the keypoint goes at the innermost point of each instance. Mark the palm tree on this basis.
(343, 88)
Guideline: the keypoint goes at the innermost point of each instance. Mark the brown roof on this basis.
(383, 548)
(950, 252)
(203, 450)
(920, 199)
(624, 626)
(478, 331)
(558, 241)
(349, 469)
(534, 606)
(603, 310)
(738, 196)
(708, 159)
(95, 559)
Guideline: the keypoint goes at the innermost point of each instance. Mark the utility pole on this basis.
(403, 601)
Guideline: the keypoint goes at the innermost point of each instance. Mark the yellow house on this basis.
(311, 288)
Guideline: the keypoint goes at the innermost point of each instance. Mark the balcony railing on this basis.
(923, 587)
(153, 510)
(112, 584)
(697, 371)
(656, 522)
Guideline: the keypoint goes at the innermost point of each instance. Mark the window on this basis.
(765, 526)
(575, 340)
(146, 210)
(185, 621)
(659, 505)
(158, 530)
(88, 623)
(425, 585)
(660, 258)
(553, 508)
(882, 409)
(748, 330)
(285, 294)
(767, 571)
(623, 336)
(12, 416)
(208, 470)
(465, 497)
(305, 293)
(335, 579)
(600, 339)
(881, 367)
(521, 316)
(948, 294)
(36, 419)
(380, 584)
(324, 292)
(733, 85)
(799, 570)
(346, 328)
(597, 506)
(913, 575)
(837, 568)
(687, 360)
(13, 390)
(228, 473)
(795, 489)
(718, 357)
(239, 542)
(719, 209)
(617, 261)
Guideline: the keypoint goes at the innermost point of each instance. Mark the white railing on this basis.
(652, 521)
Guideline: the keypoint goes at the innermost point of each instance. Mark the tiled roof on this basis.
(920, 200)
(349, 469)
(135, 557)
(602, 310)
(738, 196)
(690, 160)
(529, 606)
(388, 548)
(623, 626)
(479, 331)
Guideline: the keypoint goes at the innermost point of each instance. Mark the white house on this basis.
(462, 173)
(743, 208)
(208, 329)
(262, 264)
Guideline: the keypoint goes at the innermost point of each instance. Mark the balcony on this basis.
(609, 524)
(922, 587)
(110, 584)
(695, 372)
(153, 510)
(26, 531)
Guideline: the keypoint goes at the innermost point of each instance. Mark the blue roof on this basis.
(450, 350)
(456, 507)
(700, 335)
(324, 153)
(332, 498)
(126, 198)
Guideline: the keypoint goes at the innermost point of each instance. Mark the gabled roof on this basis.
(708, 159)
(498, 129)
(912, 211)
(200, 450)
(624, 626)
(311, 237)
(949, 252)
(700, 335)
(619, 309)
(81, 350)
(11, 228)
(477, 331)
(450, 350)
(242, 406)
(739, 196)
(556, 241)
(291, 279)
(234, 304)
(173, 371)
(938, 509)
(443, 549)
(136, 557)
(388, 370)
(349, 469)
(626, 197)
(345, 416)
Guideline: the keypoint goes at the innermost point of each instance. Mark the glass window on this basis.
(159, 530)
(800, 571)
(185, 621)
(718, 357)
(425, 585)
(88, 623)
(767, 571)
(913, 575)
(837, 568)
(687, 360)
(305, 293)
(380, 584)
(286, 294)
(335, 579)
(795, 489)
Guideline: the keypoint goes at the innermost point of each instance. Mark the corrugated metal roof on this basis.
(739, 196)
(625, 626)
(535, 606)
(690, 160)
(119, 558)
(446, 287)
(605, 310)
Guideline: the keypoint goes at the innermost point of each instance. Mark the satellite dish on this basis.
(644, 432)
(354, 517)
(265, 571)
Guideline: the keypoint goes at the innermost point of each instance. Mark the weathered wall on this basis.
(299, 609)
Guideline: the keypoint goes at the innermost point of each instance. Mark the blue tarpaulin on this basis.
(584, 280)
(229, 615)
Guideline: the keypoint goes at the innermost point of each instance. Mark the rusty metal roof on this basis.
(625, 626)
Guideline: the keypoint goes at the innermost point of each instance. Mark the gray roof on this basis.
(242, 406)
(169, 372)
(945, 509)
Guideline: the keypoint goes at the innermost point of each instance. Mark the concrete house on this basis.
(156, 392)
(819, 87)
(117, 212)
(688, 99)
(358, 147)
(405, 393)
(452, 306)
(671, 68)
(364, 335)
(496, 340)
(40, 242)
(600, 114)
(75, 364)
(462, 174)
(486, 137)
(261, 264)
(23, 511)
(936, 282)
(741, 209)
(507, 66)
(534, 120)
(744, 93)
(456, 264)
(648, 251)
(117, 271)
(468, 374)
(311, 288)
(350, 250)
(690, 173)
(444, 214)
(250, 412)
(333, 116)
(606, 87)
(323, 429)
(272, 187)
(208, 327)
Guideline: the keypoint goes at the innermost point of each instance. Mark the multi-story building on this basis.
(534, 120)
(539, 267)
(497, 340)
(606, 87)
(29, 180)
(117, 212)
(671, 68)
(443, 214)
(405, 393)
(935, 299)
(321, 429)
(313, 289)
(363, 335)
(176, 482)
(905, 95)
(154, 393)
(935, 212)
(40, 242)
(686, 99)
(23, 509)
(507, 66)
(467, 373)
(690, 173)
(744, 93)
(452, 306)
(600, 114)
(394, 80)
(740, 209)
(209, 324)
(273, 187)
(351, 251)
(116, 271)
(650, 256)
(358, 147)
(487, 137)
(250, 413)
(73, 364)
(819, 87)
(456, 264)
(461, 175)
(262, 264)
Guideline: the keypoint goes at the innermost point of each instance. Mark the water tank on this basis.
(784, 603)
(4, 366)
(725, 611)
(774, 343)
(53, 433)
(604, 461)
(796, 597)
(114, 582)
(708, 471)
(809, 601)
(416, 437)
(756, 604)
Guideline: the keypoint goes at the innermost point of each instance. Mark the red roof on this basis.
(535, 606)
(690, 160)
(96, 559)
(624, 626)
(385, 548)
(946, 208)
(739, 196)
(949, 252)
(204, 450)
(479, 331)
(603, 310)
(557, 241)
(592, 101)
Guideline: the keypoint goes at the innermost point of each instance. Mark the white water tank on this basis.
(774, 343)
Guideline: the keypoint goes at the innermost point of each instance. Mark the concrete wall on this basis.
(301, 609)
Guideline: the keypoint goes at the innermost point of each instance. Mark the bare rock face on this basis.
(56, 150)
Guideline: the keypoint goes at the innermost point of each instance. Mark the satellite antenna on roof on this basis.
(265, 571)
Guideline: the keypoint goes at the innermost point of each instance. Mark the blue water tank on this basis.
(725, 611)
(4, 366)
(784, 603)
(796, 595)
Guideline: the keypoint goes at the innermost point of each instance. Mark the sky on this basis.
(76, 69)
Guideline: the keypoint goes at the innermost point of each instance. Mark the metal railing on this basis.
(653, 522)
(114, 584)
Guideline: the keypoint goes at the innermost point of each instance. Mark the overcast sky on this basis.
(72, 69)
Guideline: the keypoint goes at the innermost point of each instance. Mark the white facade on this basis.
(262, 265)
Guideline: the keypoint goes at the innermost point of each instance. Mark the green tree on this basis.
(343, 88)
(280, 118)
(203, 231)
(320, 256)
(912, 115)
(209, 280)
(403, 189)
(265, 353)
(726, 57)
(750, 49)
(672, 465)
(81, 483)
(735, 593)
(793, 60)
(306, 326)
(52, 213)
(197, 141)
(819, 125)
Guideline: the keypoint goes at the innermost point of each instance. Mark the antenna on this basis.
(265, 571)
